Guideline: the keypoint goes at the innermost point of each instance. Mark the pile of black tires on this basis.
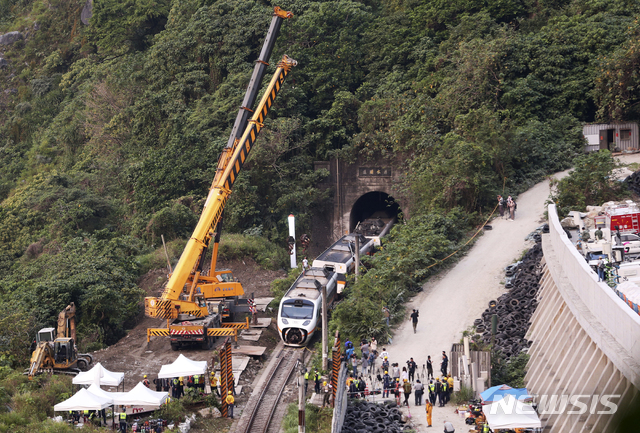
(364, 417)
(633, 181)
(515, 307)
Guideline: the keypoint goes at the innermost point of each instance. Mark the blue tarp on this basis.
(498, 392)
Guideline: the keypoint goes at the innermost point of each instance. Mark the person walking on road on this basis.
(444, 399)
(432, 392)
(412, 369)
(429, 368)
(440, 393)
(512, 208)
(373, 345)
(386, 381)
(230, 401)
(429, 410)
(406, 387)
(418, 390)
(444, 364)
(414, 319)
(501, 206)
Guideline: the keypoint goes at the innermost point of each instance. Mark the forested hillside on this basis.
(110, 132)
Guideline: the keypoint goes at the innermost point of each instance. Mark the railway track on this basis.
(258, 413)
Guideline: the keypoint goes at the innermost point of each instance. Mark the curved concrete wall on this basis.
(586, 342)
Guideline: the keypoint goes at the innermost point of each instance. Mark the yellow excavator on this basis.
(55, 350)
(195, 304)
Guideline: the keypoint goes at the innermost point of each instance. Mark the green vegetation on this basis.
(509, 372)
(317, 420)
(590, 183)
(110, 133)
(462, 396)
(31, 402)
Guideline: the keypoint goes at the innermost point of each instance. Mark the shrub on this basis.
(463, 395)
(174, 411)
(265, 253)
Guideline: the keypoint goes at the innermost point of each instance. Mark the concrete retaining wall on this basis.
(586, 342)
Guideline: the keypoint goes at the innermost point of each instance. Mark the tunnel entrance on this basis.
(373, 204)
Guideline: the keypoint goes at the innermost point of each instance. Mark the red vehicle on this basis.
(624, 217)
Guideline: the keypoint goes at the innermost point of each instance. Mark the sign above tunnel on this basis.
(374, 172)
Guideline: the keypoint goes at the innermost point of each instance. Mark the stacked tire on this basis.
(633, 182)
(364, 417)
(515, 307)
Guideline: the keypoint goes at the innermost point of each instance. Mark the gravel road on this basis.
(450, 302)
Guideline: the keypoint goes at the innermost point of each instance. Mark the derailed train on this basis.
(300, 311)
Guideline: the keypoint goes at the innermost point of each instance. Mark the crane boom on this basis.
(169, 305)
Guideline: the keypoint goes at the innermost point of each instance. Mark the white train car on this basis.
(300, 312)
(340, 257)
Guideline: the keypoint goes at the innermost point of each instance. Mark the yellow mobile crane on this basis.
(195, 304)
(57, 353)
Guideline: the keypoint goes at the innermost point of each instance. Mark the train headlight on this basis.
(285, 321)
(306, 322)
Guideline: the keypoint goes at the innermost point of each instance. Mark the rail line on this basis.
(263, 402)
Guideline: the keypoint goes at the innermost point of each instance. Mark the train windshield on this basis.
(297, 309)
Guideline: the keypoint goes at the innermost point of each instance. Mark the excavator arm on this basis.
(170, 304)
(67, 322)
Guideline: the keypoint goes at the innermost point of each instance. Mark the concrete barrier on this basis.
(586, 346)
(612, 325)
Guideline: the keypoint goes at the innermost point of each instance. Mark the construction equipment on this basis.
(57, 352)
(193, 303)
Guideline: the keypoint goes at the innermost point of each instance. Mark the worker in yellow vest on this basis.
(230, 401)
(123, 420)
(214, 384)
(306, 381)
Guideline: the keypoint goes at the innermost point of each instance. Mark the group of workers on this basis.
(89, 416)
(320, 386)
(177, 385)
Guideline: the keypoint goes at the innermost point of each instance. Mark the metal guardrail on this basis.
(340, 405)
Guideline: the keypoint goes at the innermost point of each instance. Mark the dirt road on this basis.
(450, 302)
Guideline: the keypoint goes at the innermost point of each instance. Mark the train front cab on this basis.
(296, 321)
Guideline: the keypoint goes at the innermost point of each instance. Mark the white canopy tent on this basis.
(510, 413)
(140, 395)
(183, 366)
(83, 400)
(100, 376)
(113, 396)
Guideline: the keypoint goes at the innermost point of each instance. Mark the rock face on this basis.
(10, 38)
(3, 63)
(85, 16)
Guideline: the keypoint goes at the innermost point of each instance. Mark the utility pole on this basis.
(301, 400)
(357, 257)
(325, 329)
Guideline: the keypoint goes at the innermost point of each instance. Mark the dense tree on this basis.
(110, 133)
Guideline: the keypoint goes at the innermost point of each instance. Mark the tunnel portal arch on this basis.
(372, 204)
